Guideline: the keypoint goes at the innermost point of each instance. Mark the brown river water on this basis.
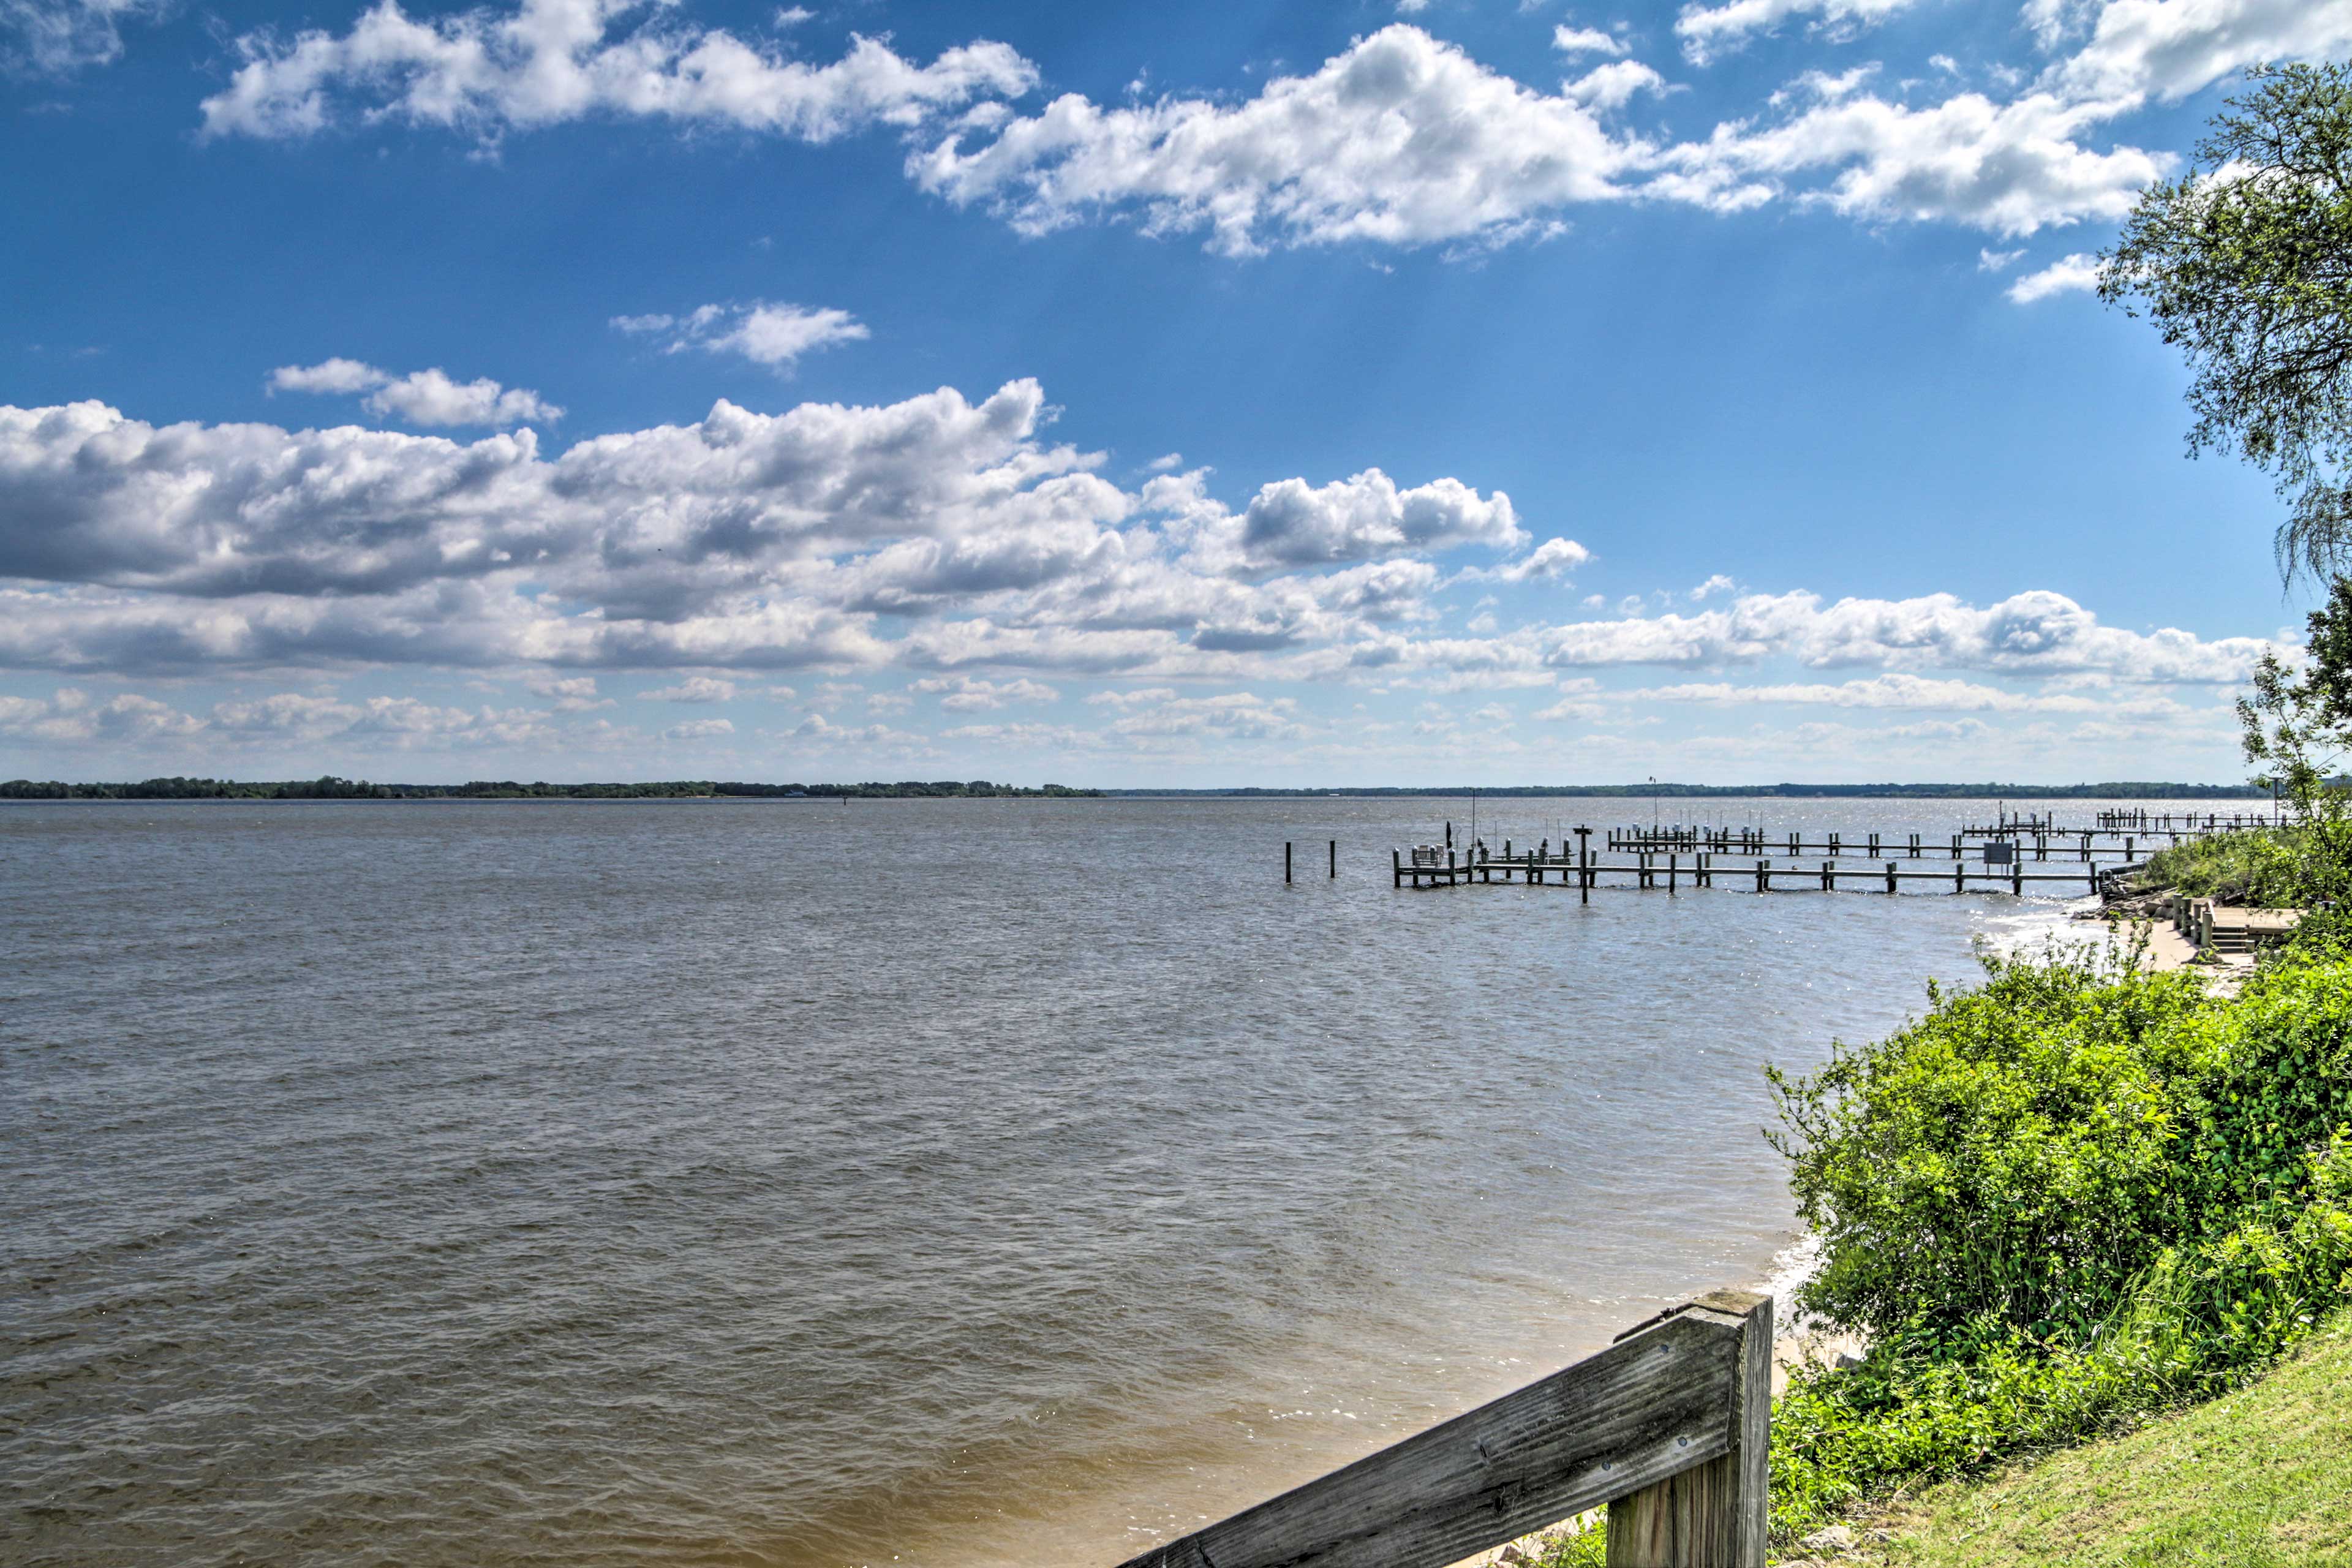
(977, 1183)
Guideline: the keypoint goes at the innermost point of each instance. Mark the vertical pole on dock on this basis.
(2017, 877)
(1396, 869)
(1285, 859)
(1334, 860)
(1890, 876)
(1671, 861)
(1584, 864)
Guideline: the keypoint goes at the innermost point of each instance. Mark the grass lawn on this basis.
(2259, 1478)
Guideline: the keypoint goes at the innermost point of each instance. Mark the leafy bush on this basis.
(2259, 868)
(2067, 1197)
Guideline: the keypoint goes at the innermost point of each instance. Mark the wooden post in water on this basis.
(1890, 876)
(1334, 860)
(1396, 869)
(1584, 864)
(1285, 859)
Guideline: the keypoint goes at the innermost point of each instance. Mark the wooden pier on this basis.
(1671, 858)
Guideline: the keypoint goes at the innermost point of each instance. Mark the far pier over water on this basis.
(1992, 857)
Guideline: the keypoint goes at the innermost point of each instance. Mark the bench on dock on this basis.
(1670, 1428)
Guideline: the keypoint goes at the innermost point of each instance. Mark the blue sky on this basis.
(1478, 390)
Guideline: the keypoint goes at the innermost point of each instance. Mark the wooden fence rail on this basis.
(1670, 1427)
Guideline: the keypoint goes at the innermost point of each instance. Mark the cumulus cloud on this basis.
(770, 334)
(1291, 522)
(2037, 633)
(695, 688)
(741, 541)
(52, 38)
(700, 730)
(421, 398)
(2010, 168)
(1403, 140)
(1551, 562)
(1895, 691)
(548, 61)
(965, 694)
(569, 694)
(1232, 715)
(1571, 40)
(2171, 48)
(1400, 139)
(132, 719)
(1709, 31)
(2075, 274)
(72, 717)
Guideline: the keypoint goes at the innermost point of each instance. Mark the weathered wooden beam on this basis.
(1713, 1515)
(1670, 1396)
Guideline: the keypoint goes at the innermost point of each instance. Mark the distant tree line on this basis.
(332, 788)
(2130, 791)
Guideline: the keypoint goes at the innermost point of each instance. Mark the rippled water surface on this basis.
(795, 1183)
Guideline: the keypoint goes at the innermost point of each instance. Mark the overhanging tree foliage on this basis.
(2245, 263)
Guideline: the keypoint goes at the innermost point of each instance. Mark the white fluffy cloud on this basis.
(2037, 633)
(1291, 522)
(1572, 40)
(741, 541)
(1901, 692)
(53, 37)
(966, 694)
(2010, 168)
(1400, 139)
(420, 398)
(1552, 562)
(2169, 48)
(694, 689)
(1707, 31)
(2074, 274)
(770, 334)
(71, 716)
(548, 61)
(1403, 140)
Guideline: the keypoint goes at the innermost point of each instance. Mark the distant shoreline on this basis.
(332, 788)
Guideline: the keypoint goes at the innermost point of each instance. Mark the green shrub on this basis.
(2071, 1195)
(2262, 868)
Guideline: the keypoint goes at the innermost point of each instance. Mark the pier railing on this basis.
(1673, 857)
(1670, 1427)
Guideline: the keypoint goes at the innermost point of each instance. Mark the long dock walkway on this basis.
(1669, 859)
